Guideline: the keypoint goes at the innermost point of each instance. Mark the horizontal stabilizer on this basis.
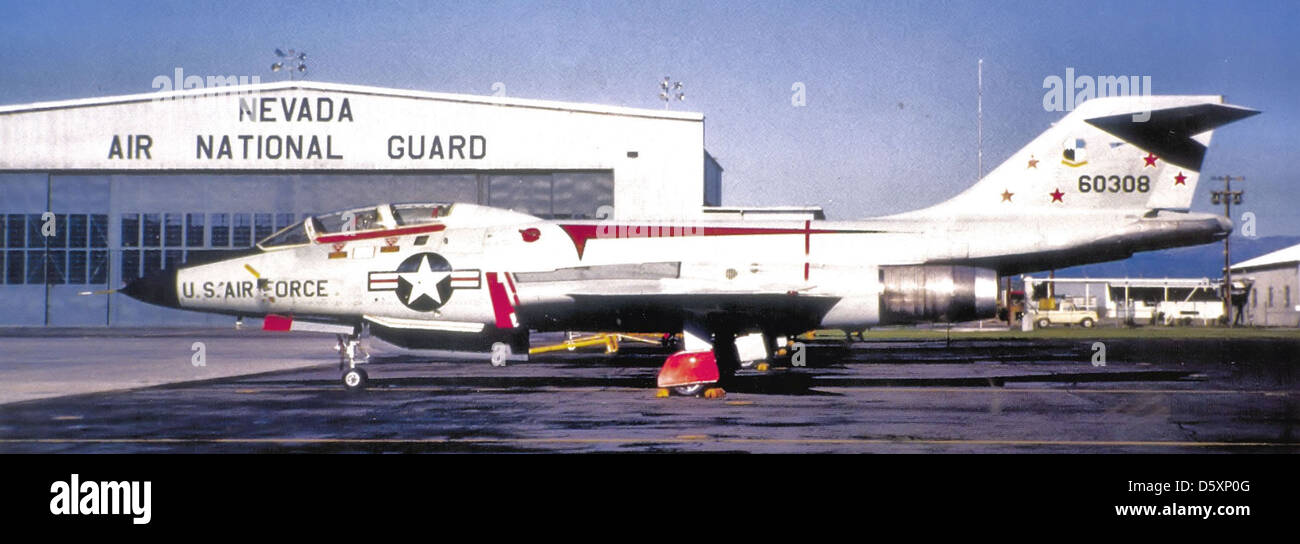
(1168, 132)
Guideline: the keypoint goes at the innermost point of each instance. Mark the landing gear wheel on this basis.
(355, 379)
(690, 390)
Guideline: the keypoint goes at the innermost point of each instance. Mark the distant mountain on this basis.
(1204, 261)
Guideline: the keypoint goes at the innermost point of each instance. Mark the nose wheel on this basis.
(355, 379)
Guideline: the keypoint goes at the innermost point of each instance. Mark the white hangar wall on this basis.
(142, 182)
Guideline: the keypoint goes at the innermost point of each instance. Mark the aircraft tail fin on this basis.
(1133, 153)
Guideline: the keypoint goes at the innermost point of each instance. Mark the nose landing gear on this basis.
(351, 354)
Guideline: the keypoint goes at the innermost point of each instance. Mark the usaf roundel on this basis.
(1074, 154)
(424, 282)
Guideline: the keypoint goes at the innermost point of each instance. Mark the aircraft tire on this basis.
(693, 390)
(355, 379)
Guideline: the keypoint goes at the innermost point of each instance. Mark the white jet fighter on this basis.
(1115, 176)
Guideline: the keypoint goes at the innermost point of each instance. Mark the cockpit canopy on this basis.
(384, 216)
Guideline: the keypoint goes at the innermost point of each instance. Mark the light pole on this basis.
(1228, 197)
(670, 90)
(293, 61)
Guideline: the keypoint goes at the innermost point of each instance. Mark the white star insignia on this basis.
(424, 281)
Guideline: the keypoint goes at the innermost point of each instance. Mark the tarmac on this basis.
(142, 390)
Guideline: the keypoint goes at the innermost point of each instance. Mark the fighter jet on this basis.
(1114, 177)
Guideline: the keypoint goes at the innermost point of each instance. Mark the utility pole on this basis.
(1229, 197)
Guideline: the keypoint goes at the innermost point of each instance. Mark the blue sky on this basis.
(889, 123)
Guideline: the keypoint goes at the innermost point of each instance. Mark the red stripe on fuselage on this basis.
(514, 292)
(501, 308)
(403, 231)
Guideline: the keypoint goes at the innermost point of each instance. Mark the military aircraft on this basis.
(1115, 176)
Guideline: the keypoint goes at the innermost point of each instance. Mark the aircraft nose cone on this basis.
(157, 287)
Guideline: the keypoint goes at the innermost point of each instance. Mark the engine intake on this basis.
(943, 293)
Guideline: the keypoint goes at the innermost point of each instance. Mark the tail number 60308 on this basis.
(1114, 184)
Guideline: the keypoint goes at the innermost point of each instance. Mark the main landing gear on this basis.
(351, 354)
(701, 367)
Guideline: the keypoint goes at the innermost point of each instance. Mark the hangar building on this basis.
(1274, 282)
(96, 192)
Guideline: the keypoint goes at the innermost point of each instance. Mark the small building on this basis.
(1274, 282)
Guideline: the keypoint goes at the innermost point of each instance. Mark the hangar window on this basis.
(98, 268)
(14, 267)
(34, 237)
(35, 267)
(220, 230)
(242, 234)
(194, 229)
(152, 261)
(76, 267)
(1270, 297)
(578, 195)
(56, 262)
(172, 230)
(152, 230)
(523, 193)
(130, 230)
(1286, 297)
(283, 220)
(60, 237)
(173, 258)
(17, 231)
(99, 230)
(262, 226)
(46, 261)
(77, 230)
(130, 265)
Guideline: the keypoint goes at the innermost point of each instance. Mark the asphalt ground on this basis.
(133, 391)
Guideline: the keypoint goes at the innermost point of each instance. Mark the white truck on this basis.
(1065, 313)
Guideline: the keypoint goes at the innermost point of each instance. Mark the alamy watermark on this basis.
(91, 498)
(1248, 228)
(1065, 94)
(178, 81)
